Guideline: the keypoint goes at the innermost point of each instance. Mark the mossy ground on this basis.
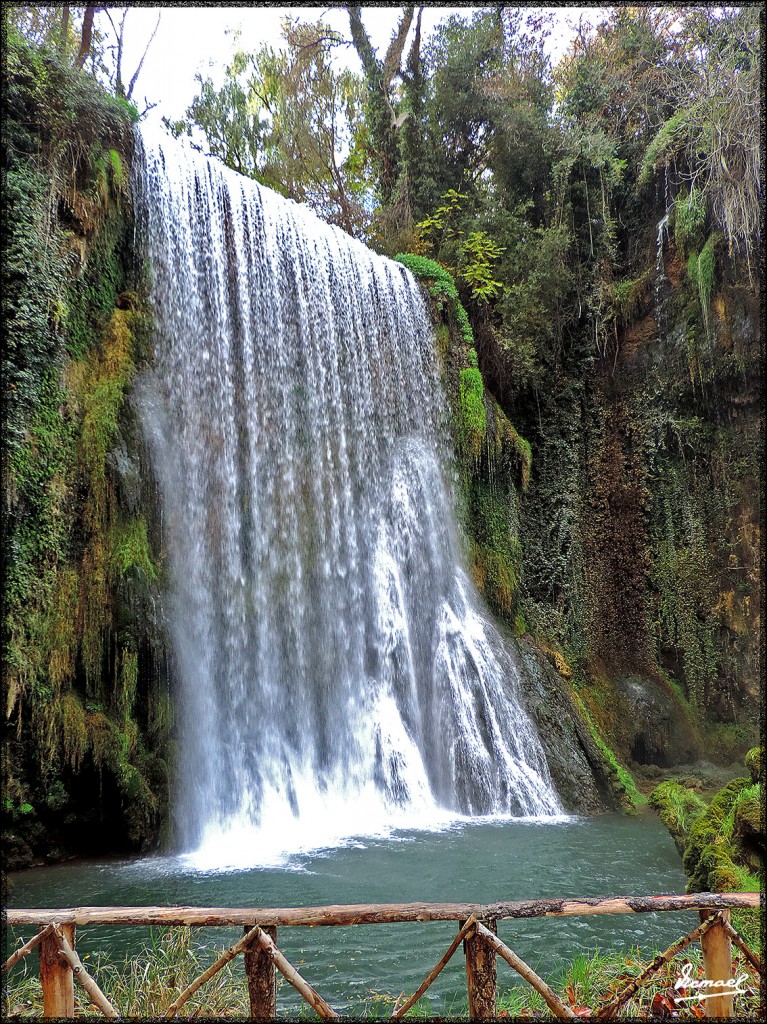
(723, 843)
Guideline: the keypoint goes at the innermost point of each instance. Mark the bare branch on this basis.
(137, 72)
(391, 64)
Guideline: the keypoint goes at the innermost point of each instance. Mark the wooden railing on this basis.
(60, 965)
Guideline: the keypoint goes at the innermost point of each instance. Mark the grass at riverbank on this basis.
(145, 986)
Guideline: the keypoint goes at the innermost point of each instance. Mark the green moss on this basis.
(722, 873)
(495, 576)
(443, 285)
(705, 276)
(130, 550)
(512, 455)
(128, 681)
(710, 847)
(118, 174)
(678, 808)
(473, 421)
(525, 453)
(754, 761)
(443, 343)
(623, 783)
(692, 269)
(747, 826)
(74, 731)
(629, 295)
(520, 624)
(63, 636)
(689, 219)
(748, 881)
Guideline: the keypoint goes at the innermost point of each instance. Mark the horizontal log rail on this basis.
(379, 913)
(60, 965)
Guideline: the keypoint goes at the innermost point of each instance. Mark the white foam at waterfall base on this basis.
(337, 672)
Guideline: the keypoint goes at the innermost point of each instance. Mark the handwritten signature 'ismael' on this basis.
(733, 987)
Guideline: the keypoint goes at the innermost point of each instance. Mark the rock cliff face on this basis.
(611, 521)
(637, 539)
(88, 711)
(613, 513)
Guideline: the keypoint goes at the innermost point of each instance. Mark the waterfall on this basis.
(338, 673)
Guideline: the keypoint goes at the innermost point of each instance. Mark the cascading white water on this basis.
(338, 674)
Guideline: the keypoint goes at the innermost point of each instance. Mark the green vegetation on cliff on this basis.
(587, 235)
(80, 743)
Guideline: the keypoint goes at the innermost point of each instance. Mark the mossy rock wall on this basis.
(722, 844)
(88, 711)
(640, 528)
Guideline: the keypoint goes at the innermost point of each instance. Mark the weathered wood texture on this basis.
(27, 948)
(717, 964)
(553, 1001)
(462, 933)
(379, 913)
(609, 1010)
(480, 972)
(56, 975)
(80, 975)
(746, 950)
(290, 974)
(262, 979)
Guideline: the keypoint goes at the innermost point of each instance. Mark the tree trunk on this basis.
(87, 35)
(64, 29)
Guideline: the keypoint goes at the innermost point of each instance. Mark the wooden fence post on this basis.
(480, 975)
(262, 978)
(56, 976)
(717, 965)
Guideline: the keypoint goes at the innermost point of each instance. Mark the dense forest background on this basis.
(590, 235)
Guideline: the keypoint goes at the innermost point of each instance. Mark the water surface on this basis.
(611, 855)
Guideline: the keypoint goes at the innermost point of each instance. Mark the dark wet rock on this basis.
(655, 725)
(576, 765)
(126, 470)
(17, 853)
(748, 827)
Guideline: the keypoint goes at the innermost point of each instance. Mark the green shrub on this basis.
(427, 269)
